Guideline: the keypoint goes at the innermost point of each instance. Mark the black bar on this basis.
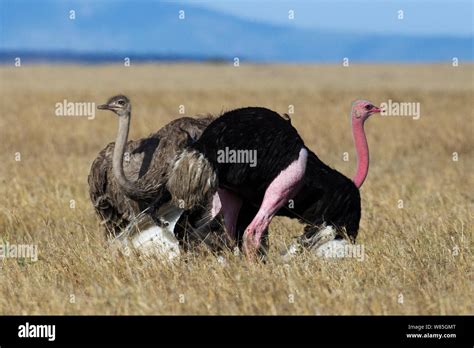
(195, 330)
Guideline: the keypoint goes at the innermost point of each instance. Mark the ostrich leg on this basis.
(280, 190)
(246, 215)
(229, 204)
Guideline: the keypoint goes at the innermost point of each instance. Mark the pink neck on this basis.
(362, 150)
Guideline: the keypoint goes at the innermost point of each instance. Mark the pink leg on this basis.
(230, 204)
(280, 190)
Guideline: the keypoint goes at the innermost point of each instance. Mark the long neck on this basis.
(119, 149)
(362, 150)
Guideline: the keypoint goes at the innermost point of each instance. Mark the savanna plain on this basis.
(416, 226)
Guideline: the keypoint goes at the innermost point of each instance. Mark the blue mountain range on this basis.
(153, 30)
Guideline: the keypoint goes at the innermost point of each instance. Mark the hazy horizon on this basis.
(260, 31)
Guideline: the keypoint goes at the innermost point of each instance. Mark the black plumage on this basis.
(276, 142)
(326, 197)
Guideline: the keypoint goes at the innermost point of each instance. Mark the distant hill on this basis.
(107, 31)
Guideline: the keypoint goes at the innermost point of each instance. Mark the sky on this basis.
(421, 17)
(258, 30)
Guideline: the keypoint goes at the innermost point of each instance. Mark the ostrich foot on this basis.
(318, 243)
(160, 240)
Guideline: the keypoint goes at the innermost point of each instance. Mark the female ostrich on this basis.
(285, 169)
(127, 177)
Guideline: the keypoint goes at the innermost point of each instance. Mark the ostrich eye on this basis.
(369, 107)
(121, 103)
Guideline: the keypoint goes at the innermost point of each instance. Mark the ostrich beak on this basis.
(376, 110)
(103, 107)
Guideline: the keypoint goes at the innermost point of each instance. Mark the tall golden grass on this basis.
(418, 258)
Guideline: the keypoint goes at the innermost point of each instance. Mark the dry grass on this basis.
(409, 251)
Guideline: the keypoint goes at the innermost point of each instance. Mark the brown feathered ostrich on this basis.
(126, 179)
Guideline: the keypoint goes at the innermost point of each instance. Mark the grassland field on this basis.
(417, 201)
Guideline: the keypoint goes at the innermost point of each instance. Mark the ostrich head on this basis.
(119, 104)
(362, 109)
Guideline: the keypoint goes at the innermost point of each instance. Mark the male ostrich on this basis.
(127, 177)
(286, 169)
